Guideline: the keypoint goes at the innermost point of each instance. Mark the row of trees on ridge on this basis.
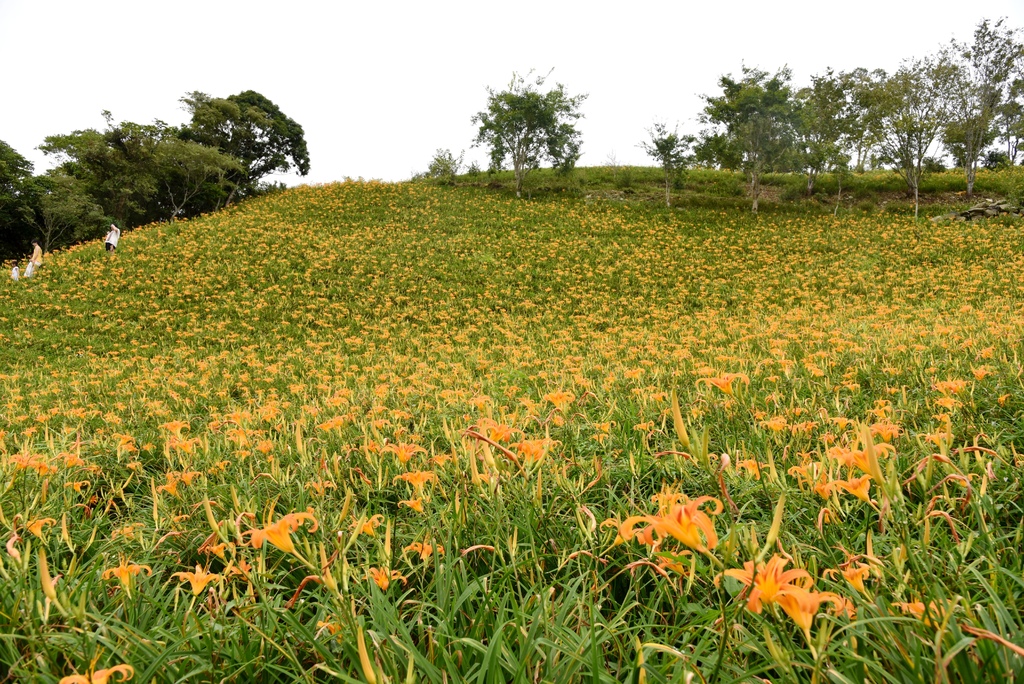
(967, 96)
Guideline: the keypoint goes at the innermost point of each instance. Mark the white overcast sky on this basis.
(379, 86)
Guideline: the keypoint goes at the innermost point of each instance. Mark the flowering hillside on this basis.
(395, 432)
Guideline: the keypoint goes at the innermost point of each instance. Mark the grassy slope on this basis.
(410, 313)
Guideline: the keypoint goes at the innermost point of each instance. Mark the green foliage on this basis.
(15, 202)
(117, 166)
(1009, 120)
(527, 127)
(753, 125)
(910, 109)
(65, 212)
(191, 174)
(976, 85)
(445, 166)
(825, 122)
(670, 150)
(253, 130)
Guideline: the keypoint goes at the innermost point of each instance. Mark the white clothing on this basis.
(14, 274)
(30, 269)
(113, 236)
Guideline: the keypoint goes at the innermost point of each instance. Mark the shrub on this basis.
(444, 167)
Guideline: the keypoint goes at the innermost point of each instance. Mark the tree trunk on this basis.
(915, 201)
(810, 184)
(755, 188)
(668, 197)
(972, 172)
(839, 195)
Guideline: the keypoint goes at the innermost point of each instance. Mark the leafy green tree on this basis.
(527, 127)
(754, 120)
(1010, 118)
(65, 213)
(861, 87)
(253, 130)
(188, 170)
(445, 166)
(117, 166)
(910, 110)
(15, 202)
(824, 125)
(670, 150)
(978, 74)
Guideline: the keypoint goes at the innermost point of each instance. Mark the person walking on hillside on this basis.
(112, 237)
(35, 261)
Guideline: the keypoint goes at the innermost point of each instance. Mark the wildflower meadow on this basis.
(371, 432)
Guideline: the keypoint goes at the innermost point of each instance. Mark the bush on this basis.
(444, 167)
(994, 159)
(933, 165)
(624, 177)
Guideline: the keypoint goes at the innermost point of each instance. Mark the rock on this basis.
(987, 210)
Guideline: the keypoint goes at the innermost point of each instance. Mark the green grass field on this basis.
(402, 433)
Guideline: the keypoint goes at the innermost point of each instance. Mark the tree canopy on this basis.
(250, 128)
(670, 150)
(752, 123)
(527, 127)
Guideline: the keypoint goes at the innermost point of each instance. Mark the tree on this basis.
(526, 126)
(188, 169)
(15, 203)
(1010, 118)
(444, 167)
(117, 166)
(978, 74)
(824, 123)
(861, 86)
(754, 119)
(909, 112)
(253, 130)
(670, 150)
(65, 212)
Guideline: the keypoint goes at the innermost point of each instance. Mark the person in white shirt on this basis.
(112, 237)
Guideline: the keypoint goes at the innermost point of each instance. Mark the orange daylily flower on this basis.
(724, 382)
(118, 673)
(414, 504)
(125, 572)
(560, 398)
(856, 575)
(951, 386)
(802, 606)
(199, 579)
(532, 450)
(36, 526)
(767, 580)
(684, 522)
(175, 427)
(369, 525)
(383, 578)
(858, 486)
(425, 549)
(280, 533)
(417, 478)
(404, 452)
